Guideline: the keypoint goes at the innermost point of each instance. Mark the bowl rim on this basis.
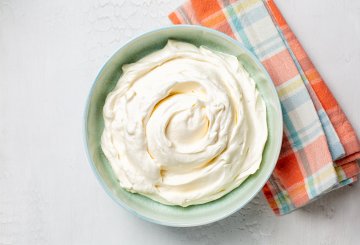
(86, 114)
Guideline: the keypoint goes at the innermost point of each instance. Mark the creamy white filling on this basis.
(184, 125)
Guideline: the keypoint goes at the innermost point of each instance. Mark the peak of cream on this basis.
(184, 125)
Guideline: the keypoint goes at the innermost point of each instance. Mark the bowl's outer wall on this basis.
(94, 124)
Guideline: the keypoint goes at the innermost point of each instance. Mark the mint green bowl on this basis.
(94, 124)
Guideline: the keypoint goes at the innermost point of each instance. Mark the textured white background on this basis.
(50, 53)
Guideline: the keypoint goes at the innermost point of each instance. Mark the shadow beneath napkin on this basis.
(256, 220)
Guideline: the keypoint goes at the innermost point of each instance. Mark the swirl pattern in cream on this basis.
(184, 125)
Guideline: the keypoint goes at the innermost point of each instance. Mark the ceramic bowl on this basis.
(142, 206)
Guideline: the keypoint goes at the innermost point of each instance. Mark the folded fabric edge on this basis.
(350, 158)
(347, 170)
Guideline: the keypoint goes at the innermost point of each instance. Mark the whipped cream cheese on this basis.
(184, 125)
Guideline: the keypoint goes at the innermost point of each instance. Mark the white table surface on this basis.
(50, 53)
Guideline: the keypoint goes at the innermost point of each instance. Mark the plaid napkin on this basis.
(320, 148)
